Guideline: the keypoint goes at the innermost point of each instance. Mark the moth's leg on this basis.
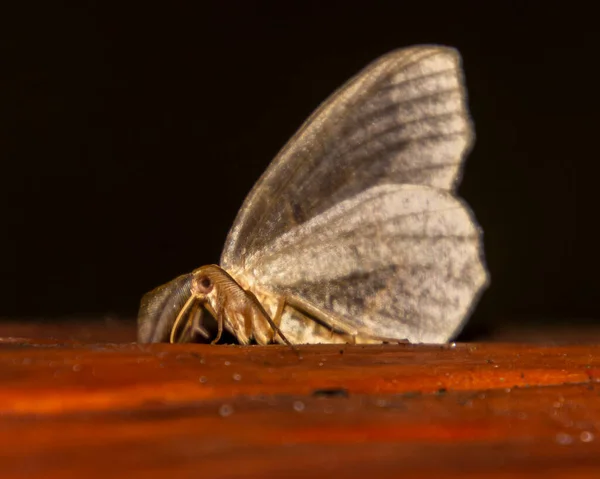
(186, 334)
(219, 317)
(258, 329)
(266, 316)
(250, 319)
(358, 338)
(367, 339)
(219, 330)
(196, 321)
(348, 338)
(333, 324)
(201, 331)
(220, 321)
(257, 325)
(278, 316)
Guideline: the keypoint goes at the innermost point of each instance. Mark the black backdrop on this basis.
(131, 135)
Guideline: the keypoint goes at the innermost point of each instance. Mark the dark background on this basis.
(131, 135)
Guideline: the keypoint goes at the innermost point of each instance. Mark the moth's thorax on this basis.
(229, 298)
(242, 277)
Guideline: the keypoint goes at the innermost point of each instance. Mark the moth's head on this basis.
(202, 284)
(159, 309)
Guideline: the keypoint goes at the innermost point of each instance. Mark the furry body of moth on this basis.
(214, 289)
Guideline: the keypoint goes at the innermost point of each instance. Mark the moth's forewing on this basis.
(381, 269)
(403, 120)
(159, 309)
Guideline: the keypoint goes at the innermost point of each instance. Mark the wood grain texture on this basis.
(95, 408)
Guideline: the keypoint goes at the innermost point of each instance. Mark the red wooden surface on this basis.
(73, 405)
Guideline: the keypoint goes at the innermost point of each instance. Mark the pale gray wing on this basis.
(403, 119)
(395, 261)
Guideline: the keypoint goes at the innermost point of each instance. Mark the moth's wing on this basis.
(403, 119)
(396, 262)
(159, 309)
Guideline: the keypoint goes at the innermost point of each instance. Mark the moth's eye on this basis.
(204, 284)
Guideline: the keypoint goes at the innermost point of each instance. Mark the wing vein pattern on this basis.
(357, 214)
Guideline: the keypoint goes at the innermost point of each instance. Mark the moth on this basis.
(354, 233)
